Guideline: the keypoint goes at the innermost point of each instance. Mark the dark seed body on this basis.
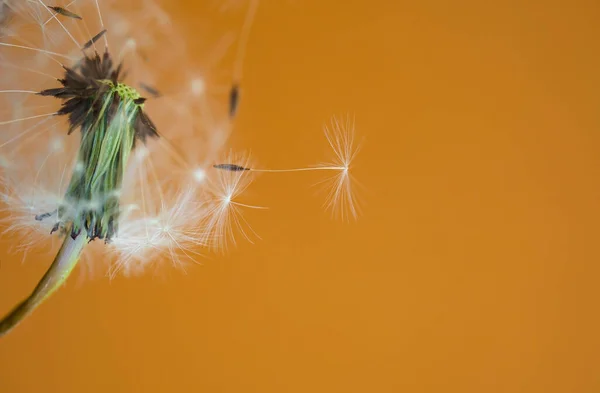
(93, 40)
(65, 12)
(154, 92)
(234, 100)
(231, 167)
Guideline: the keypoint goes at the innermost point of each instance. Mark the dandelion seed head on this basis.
(41, 160)
(165, 201)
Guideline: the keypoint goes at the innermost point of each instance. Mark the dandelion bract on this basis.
(101, 159)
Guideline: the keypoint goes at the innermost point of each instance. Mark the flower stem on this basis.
(64, 262)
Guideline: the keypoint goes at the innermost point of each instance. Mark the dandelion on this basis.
(100, 183)
(100, 161)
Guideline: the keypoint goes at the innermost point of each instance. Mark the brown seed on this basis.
(65, 12)
(150, 89)
(234, 100)
(231, 167)
(93, 40)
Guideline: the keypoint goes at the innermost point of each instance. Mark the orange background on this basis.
(473, 268)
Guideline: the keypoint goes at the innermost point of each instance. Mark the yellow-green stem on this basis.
(64, 262)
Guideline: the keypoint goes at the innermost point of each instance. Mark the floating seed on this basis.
(41, 217)
(231, 167)
(93, 40)
(234, 100)
(65, 12)
(150, 89)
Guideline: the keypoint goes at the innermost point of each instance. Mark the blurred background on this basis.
(472, 268)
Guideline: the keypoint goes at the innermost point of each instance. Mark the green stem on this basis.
(64, 262)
